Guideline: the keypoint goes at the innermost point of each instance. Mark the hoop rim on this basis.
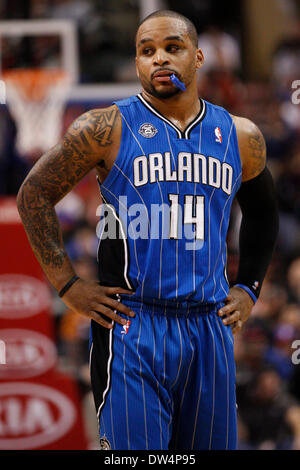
(34, 83)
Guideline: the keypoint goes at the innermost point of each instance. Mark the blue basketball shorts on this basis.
(165, 381)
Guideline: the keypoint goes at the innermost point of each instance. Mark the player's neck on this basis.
(180, 109)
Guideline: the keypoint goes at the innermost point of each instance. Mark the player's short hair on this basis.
(191, 29)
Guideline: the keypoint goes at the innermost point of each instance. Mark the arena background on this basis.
(253, 69)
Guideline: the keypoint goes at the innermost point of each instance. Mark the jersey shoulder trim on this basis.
(220, 109)
(126, 102)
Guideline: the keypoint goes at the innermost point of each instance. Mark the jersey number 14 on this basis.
(193, 213)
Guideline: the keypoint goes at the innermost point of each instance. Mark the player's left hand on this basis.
(237, 308)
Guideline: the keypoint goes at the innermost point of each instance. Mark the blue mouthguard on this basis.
(177, 82)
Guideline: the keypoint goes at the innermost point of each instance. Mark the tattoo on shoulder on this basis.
(100, 125)
(257, 145)
(257, 150)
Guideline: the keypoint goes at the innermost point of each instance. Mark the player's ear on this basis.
(199, 58)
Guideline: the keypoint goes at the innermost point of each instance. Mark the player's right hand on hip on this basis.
(96, 302)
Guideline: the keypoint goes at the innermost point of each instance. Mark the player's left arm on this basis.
(259, 225)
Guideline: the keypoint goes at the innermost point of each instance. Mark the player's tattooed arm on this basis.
(252, 148)
(93, 139)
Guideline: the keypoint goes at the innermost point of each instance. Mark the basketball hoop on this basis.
(36, 99)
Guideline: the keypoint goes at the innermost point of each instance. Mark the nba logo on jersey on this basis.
(126, 328)
(218, 135)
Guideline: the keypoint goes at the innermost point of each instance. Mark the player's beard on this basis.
(166, 93)
(162, 93)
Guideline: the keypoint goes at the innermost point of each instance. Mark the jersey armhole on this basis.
(237, 150)
(113, 171)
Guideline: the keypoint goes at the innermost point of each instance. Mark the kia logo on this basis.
(22, 296)
(28, 354)
(33, 415)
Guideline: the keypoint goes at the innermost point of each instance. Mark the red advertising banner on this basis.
(27, 354)
(24, 292)
(40, 407)
(41, 414)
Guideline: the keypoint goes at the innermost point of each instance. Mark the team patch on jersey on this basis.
(147, 130)
(104, 443)
(218, 135)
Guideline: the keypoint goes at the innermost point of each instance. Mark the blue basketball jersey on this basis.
(167, 205)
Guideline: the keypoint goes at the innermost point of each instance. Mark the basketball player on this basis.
(161, 357)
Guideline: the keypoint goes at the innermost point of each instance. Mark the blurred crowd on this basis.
(267, 369)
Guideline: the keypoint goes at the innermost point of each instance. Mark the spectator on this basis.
(271, 416)
(221, 50)
(293, 277)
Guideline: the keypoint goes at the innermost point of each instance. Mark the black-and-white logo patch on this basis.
(104, 443)
(147, 130)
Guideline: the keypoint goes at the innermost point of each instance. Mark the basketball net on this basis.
(36, 100)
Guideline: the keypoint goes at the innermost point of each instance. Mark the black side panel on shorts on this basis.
(111, 262)
(99, 362)
(113, 253)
